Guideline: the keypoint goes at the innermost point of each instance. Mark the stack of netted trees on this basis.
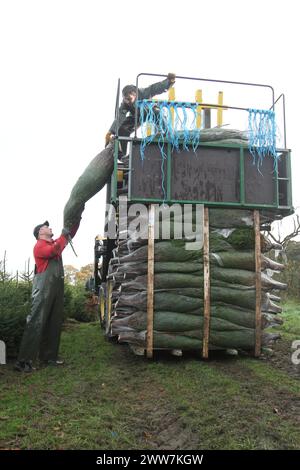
(179, 288)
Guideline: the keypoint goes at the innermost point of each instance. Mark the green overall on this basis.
(42, 333)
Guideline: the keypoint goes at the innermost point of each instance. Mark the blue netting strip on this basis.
(262, 135)
(180, 131)
(171, 123)
(175, 123)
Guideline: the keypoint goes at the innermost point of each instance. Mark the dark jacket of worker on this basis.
(127, 111)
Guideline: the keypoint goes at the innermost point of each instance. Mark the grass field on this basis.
(104, 397)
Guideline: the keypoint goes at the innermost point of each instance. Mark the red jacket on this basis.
(45, 250)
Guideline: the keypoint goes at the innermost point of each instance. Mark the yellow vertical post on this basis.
(171, 96)
(198, 97)
(149, 129)
(220, 110)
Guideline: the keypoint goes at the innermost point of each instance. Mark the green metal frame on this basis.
(241, 203)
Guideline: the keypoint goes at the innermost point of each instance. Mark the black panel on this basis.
(259, 185)
(146, 181)
(210, 174)
(283, 193)
(282, 166)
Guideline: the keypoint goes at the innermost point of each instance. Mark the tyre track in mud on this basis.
(163, 426)
(153, 415)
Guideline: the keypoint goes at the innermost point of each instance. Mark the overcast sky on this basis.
(60, 61)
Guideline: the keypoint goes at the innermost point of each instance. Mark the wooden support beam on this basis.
(206, 319)
(150, 283)
(102, 306)
(256, 218)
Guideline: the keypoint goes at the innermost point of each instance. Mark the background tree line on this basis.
(15, 300)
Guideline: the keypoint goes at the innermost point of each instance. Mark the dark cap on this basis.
(128, 89)
(38, 227)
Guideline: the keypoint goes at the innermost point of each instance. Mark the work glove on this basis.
(66, 233)
(109, 138)
(171, 77)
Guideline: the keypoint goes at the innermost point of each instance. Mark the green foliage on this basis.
(291, 276)
(14, 306)
(242, 239)
(78, 305)
(290, 257)
(293, 251)
(15, 301)
(291, 316)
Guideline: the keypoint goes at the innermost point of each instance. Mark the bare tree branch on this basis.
(284, 241)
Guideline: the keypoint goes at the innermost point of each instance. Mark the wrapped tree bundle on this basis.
(92, 180)
(230, 277)
(244, 340)
(236, 260)
(223, 318)
(179, 287)
(218, 218)
(187, 299)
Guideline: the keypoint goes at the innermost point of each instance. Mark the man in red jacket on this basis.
(42, 333)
